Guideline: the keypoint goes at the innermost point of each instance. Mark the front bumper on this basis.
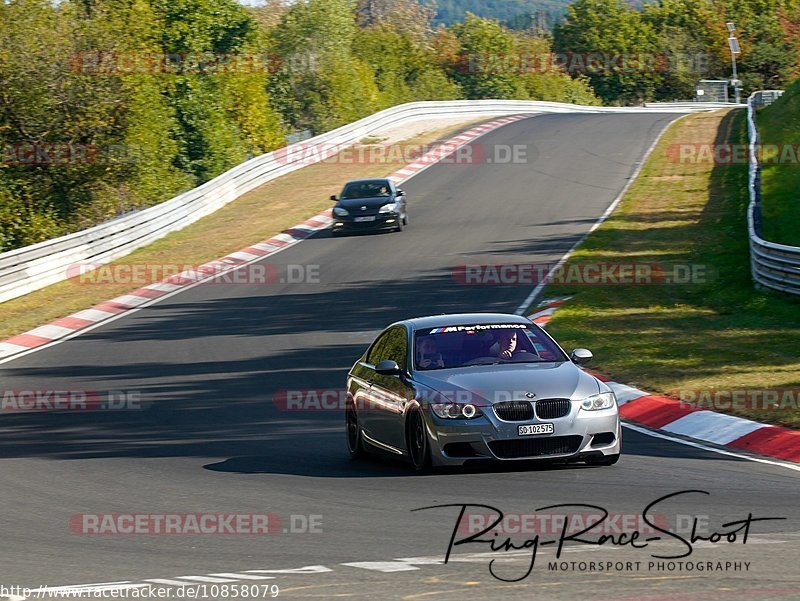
(577, 435)
(383, 221)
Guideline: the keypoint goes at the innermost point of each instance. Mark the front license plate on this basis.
(362, 219)
(531, 429)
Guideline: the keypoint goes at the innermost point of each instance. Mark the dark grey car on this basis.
(451, 389)
(369, 205)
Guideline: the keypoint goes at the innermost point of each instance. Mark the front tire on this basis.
(419, 449)
(355, 443)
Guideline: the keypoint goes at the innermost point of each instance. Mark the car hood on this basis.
(494, 383)
(370, 203)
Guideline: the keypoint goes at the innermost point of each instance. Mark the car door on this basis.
(390, 394)
(363, 375)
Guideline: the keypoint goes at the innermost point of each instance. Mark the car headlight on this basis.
(388, 208)
(455, 410)
(340, 212)
(604, 400)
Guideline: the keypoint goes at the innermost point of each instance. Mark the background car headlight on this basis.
(604, 400)
(455, 410)
(340, 212)
(388, 208)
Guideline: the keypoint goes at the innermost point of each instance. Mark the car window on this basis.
(371, 189)
(375, 350)
(482, 344)
(392, 345)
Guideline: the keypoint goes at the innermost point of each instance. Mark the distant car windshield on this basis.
(371, 189)
(482, 344)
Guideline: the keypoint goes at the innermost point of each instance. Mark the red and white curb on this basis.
(541, 316)
(83, 321)
(673, 417)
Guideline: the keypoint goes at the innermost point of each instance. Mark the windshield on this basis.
(482, 344)
(373, 189)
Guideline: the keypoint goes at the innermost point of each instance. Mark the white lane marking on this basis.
(243, 576)
(89, 589)
(169, 582)
(210, 579)
(303, 570)
(82, 586)
(382, 566)
(639, 166)
(713, 427)
(698, 445)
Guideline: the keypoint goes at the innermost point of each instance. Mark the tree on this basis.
(320, 83)
(620, 39)
(482, 70)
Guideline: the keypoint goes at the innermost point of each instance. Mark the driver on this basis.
(505, 344)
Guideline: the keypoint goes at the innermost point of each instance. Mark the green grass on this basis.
(779, 123)
(717, 335)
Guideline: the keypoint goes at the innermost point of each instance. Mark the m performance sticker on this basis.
(476, 328)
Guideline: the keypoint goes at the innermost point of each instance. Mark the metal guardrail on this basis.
(33, 267)
(694, 104)
(773, 265)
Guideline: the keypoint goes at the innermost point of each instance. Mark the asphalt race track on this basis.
(208, 438)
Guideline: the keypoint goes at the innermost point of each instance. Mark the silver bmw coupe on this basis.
(446, 390)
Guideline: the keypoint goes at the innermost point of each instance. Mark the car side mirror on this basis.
(581, 356)
(333, 198)
(387, 367)
(400, 192)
